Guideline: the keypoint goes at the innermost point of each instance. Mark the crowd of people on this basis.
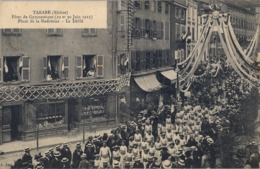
(185, 136)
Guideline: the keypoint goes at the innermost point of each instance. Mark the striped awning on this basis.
(148, 83)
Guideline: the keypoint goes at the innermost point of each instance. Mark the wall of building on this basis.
(36, 44)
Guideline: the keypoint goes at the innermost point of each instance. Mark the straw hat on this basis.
(83, 155)
(64, 160)
(27, 149)
(167, 164)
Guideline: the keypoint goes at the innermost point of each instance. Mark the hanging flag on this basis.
(126, 61)
(84, 62)
(6, 67)
(20, 65)
(62, 66)
(49, 64)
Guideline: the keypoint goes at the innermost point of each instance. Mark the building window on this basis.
(155, 61)
(54, 32)
(178, 35)
(148, 60)
(137, 28)
(50, 114)
(16, 68)
(154, 29)
(93, 108)
(177, 12)
(147, 28)
(122, 63)
(89, 32)
(166, 8)
(53, 67)
(183, 14)
(12, 32)
(121, 24)
(89, 66)
(160, 59)
(193, 34)
(146, 4)
(159, 6)
(159, 29)
(137, 4)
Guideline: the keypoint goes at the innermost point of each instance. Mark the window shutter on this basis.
(151, 28)
(100, 66)
(66, 67)
(45, 67)
(122, 23)
(58, 31)
(162, 29)
(166, 30)
(86, 31)
(143, 28)
(50, 31)
(1, 69)
(143, 60)
(79, 67)
(26, 68)
(133, 60)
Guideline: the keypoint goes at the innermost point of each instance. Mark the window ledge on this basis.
(89, 78)
(89, 35)
(15, 82)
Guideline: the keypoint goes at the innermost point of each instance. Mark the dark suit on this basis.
(56, 164)
(27, 158)
(76, 158)
(65, 152)
(84, 164)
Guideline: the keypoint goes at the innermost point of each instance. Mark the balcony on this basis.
(62, 90)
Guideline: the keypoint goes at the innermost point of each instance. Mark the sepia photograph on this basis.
(129, 84)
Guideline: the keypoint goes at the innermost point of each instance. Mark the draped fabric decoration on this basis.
(237, 58)
(63, 90)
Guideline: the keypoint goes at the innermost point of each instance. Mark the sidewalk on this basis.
(52, 141)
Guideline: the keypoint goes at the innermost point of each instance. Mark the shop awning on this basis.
(148, 83)
(170, 75)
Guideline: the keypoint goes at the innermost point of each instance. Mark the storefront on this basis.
(45, 118)
(145, 92)
(169, 79)
(92, 112)
(27, 120)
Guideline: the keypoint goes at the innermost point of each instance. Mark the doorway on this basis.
(16, 121)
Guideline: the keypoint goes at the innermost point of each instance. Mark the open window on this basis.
(15, 68)
(89, 66)
(146, 4)
(137, 28)
(159, 6)
(56, 67)
(137, 4)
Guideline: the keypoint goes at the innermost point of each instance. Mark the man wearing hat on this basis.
(46, 160)
(84, 164)
(65, 163)
(65, 152)
(56, 163)
(116, 164)
(51, 154)
(27, 158)
(89, 152)
(76, 155)
(88, 143)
